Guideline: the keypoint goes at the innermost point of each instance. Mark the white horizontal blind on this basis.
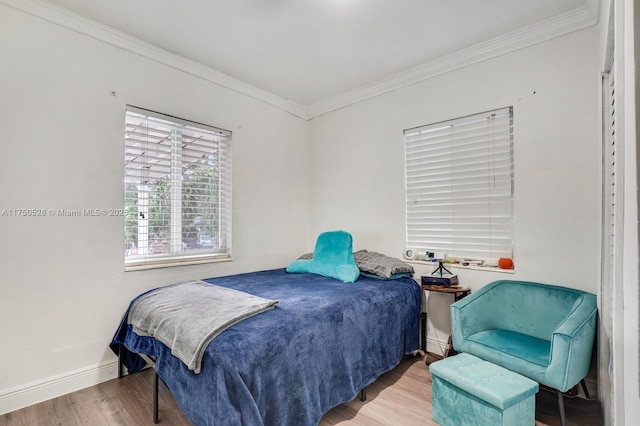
(459, 186)
(177, 189)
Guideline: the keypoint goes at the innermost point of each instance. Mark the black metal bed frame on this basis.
(156, 382)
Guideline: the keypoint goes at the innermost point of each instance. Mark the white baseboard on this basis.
(436, 346)
(54, 386)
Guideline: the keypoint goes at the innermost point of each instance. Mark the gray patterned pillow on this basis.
(380, 264)
(377, 264)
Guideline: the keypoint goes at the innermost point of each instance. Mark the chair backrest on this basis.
(530, 308)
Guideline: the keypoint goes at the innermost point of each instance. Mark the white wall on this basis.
(63, 286)
(358, 161)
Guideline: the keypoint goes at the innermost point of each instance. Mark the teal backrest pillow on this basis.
(332, 257)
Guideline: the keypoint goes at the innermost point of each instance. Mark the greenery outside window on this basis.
(459, 187)
(177, 190)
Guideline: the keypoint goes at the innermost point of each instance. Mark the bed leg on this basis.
(120, 346)
(363, 394)
(155, 396)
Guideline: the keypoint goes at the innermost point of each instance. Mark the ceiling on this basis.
(308, 51)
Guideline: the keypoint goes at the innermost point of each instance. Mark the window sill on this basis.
(482, 268)
(178, 261)
(459, 266)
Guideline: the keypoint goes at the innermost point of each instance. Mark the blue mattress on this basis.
(318, 348)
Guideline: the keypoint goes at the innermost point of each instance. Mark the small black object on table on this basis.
(441, 269)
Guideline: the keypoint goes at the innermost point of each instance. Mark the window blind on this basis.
(459, 186)
(177, 190)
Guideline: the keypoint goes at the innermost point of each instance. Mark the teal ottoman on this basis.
(469, 391)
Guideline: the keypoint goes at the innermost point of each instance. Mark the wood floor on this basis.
(399, 397)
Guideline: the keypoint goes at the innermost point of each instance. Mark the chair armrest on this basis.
(470, 315)
(572, 346)
(579, 316)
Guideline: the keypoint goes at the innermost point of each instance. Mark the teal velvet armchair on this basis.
(543, 332)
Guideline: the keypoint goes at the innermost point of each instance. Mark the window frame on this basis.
(164, 157)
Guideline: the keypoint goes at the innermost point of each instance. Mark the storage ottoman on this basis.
(469, 391)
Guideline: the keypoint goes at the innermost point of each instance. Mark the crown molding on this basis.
(80, 24)
(560, 25)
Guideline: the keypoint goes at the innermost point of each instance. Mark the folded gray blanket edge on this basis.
(188, 316)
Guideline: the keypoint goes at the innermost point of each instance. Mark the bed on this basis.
(322, 344)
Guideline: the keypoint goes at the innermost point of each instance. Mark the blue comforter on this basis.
(318, 348)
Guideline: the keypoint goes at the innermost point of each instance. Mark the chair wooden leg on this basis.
(561, 408)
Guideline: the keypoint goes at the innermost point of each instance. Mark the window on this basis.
(459, 187)
(177, 191)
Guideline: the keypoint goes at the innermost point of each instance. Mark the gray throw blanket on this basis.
(188, 316)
